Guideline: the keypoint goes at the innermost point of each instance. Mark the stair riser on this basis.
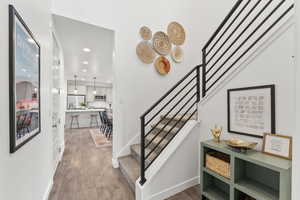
(130, 182)
(136, 156)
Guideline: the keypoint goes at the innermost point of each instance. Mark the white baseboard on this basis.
(48, 191)
(176, 189)
(115, 163)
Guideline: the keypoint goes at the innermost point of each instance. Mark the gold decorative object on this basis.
(161, 43)
(176, 33)
(177, 54)
(145, 52)
(217, 133)
(240, 144)
(146, 33)
(162, 65)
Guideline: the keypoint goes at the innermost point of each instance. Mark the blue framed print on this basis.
(24, 75)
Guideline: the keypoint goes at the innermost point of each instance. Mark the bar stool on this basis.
(73, 119)
(94, 120)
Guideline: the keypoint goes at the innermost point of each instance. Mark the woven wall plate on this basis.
(146, 33)
(162, 65)
(145, 52)
(177, 54)
(161, 43)
(176, 33)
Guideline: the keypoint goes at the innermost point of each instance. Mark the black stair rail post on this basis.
(198, 82)
(143, 178)
(203, 72)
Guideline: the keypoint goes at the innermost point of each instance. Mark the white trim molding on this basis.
(176, 189)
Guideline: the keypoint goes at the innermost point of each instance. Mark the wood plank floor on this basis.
(86, 173)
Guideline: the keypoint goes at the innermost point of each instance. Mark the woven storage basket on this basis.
(219, 163)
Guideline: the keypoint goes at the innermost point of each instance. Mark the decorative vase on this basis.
(216, 132)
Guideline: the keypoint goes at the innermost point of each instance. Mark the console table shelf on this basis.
(254, 174)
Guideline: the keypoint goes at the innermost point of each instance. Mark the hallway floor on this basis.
(86, 173)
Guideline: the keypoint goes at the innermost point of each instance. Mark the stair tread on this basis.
(167, 128)
(157, 139)
(178, 117)
(137, 149)
(131, 167)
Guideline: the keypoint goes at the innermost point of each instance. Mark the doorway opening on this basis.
(87, 103)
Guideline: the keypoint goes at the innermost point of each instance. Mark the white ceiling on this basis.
(74, 36)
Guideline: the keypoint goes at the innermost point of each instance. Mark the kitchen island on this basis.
(84, 117)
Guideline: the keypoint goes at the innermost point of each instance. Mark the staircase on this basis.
(130, 165)
(245, 27)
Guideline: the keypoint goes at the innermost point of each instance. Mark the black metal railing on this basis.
(247, 23)
(181, 98)
(243, 28)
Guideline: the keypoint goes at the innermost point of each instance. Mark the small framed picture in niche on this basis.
(251, 110)
(278, 145)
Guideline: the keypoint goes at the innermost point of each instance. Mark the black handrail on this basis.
(252, 45)
(209, 73)
(169, 91)
(249, 36)
(187, 85)
(237, 28)
(237, 4)
(228, 27)
(206, 84)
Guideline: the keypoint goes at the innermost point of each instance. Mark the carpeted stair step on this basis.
(130, 168)
(157, 139)
(136, 153)
(167, 128)
(180, 117)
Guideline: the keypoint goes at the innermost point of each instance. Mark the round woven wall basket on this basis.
(176, 33)
(177, 54)
(146, 33)
(162, 65)
(145, 52)
(161, 43)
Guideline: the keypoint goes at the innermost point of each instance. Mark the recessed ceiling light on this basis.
(85, 62)
(86, 50)
(84, 70)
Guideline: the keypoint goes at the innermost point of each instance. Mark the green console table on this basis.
(253, 174)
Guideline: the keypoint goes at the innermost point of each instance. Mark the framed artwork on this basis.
(24, 80)
(251, 110)
(278, 145)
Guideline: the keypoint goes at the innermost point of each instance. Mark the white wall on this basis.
(27, 173)
(296, 139)
(137, 85)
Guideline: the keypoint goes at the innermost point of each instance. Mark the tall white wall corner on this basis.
(48, 190)
(176, 169)
(296, 138)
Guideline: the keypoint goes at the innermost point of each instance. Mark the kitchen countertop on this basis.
(84, 110)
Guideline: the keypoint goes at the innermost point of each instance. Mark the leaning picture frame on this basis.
(251, 110)
(278, 145)
(24, 81)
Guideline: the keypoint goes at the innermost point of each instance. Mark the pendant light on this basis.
(95, 91)
(75, 90)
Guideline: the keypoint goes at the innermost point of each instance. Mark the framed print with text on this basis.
(251, 110)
